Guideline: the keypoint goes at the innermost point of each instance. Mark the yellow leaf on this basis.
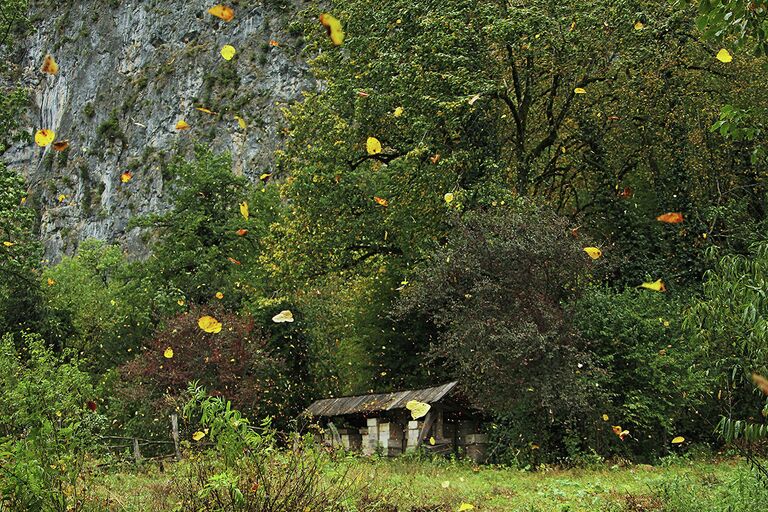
(182, 125)
(126, 176)
(62, 197)
(49, 65)
(399, 111)
(639, 25)
(418, 409)
(657, 286)
(228, 52)
(466, 506)
(198, 435)
(605, 417)
(580, 90)
(8, 244)
(219, 295)
(381, 201)
(724, 56)
(44, 137)
(448, 197)
(432, 441)
(333, 26)
(244, 210)
(168, 354)
(593, 252)
(373, 146)
(180, 302)
(51, 282)
(283, 316)
(223, 12)
(209, 324)
(241, 122)
(678, 440)
(205, 111)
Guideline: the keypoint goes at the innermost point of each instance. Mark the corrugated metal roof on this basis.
(377, 402)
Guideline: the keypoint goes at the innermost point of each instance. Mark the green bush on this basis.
(654, 383)
(246, 470)
(495, 295)
(49, 427)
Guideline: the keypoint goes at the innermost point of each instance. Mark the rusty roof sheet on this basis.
(378, 402)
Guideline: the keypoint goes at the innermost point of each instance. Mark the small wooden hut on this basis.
(380, 423)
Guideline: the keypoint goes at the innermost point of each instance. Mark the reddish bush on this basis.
(233, 363)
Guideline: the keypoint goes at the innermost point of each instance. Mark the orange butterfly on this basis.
(671, 218)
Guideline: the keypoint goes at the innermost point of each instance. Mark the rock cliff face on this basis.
(129, 71)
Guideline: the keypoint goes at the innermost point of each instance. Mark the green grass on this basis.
(412, 485)
(572, 490)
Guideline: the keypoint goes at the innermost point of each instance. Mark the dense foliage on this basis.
(562, 205)
(497, 294)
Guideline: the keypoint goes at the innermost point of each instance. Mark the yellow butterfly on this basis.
(283, 316)
(657, 286)
(228, 52)
(593, 252)
(418, 409)
(209, 324)
(334, 28)
(373, 146)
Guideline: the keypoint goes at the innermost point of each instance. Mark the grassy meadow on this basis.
(421, 486)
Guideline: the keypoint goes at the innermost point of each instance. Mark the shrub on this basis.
(496, 293)
(245, 470)
(655, 386)
(48, 427)
(234, 362)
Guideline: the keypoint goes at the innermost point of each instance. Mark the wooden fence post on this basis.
(136, 451)
(175, 434)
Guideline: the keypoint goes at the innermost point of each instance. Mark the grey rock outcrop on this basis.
(128, 72)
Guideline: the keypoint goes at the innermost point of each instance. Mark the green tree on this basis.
(20, 256)
(744, 20)
(103, 304)
(200, 249)
(496, 294)
(730, 326)
(479, 99)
